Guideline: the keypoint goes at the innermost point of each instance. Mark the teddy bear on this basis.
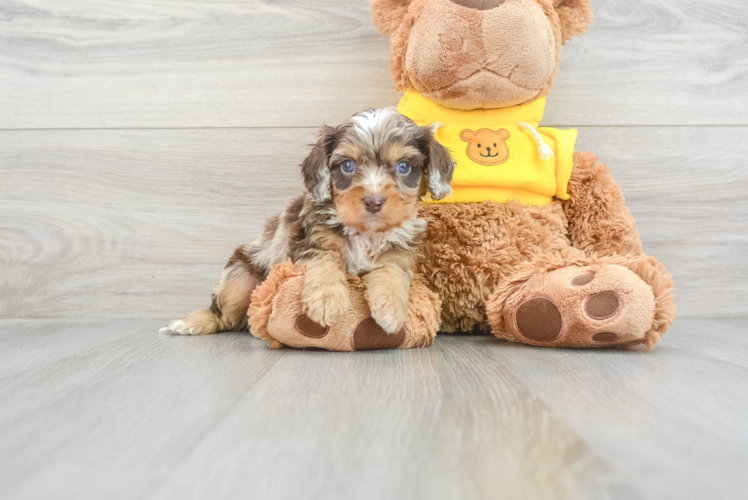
(535, 244)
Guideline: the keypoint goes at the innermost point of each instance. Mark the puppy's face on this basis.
(375, 168)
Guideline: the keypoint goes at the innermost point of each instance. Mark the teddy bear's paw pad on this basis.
(539, 319)
(583, 279)
(308, 328)
(605, 337)
(369, 335)
(602, 305)
(594, 306)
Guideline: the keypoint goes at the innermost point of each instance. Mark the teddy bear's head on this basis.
(470, 54)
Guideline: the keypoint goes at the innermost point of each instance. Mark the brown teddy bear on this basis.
(535, 244)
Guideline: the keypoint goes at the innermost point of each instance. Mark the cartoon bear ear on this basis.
(467, 135)
(575, 16)
(388, 14)
(503, 134)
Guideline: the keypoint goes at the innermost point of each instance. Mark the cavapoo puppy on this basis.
(364, 181)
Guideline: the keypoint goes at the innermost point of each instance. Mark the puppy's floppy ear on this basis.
(575, 17)
(439, 163)
(316, 166)
(388, 14)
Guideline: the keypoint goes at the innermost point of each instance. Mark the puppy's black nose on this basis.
(373, 204)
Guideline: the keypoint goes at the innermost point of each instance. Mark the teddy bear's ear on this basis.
(575, 16)
(467, 135)
(388, 14)
(503, 134)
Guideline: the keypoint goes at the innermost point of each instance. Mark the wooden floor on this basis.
(110, 409)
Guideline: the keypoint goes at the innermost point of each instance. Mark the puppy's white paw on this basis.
(326, 304)
(388, 312)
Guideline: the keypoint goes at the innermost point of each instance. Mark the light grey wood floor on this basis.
(110, 409)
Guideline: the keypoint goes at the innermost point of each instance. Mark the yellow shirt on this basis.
(496, 158)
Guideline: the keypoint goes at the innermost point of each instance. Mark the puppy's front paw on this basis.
(325, 303)
(388, 311)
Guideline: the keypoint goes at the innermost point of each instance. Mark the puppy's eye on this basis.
(348, 166)
(403, 168)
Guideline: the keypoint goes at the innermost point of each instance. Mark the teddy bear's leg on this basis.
(276, 315)
(572, 300)
(599, 220)
(603, 291)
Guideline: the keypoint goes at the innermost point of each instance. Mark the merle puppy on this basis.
(364, 183)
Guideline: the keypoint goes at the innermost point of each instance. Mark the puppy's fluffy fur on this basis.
(364, 182)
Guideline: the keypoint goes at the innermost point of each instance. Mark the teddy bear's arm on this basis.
(599, 221)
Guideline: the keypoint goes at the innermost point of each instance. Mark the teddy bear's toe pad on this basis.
(308, 328)
(539, 319)
(602, 305)
(583, 279)
(369, 335)
(605, 337)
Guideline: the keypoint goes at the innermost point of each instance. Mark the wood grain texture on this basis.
(97, 224)
(145, 416)
(179, 63)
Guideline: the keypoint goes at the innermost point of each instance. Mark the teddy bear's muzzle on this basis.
(460, 55)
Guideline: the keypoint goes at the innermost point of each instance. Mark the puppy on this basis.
(364, 181)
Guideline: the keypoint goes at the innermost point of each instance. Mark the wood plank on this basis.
(107, 63)
(422, 424)
(136, 417)
(682, 404)
(149, 416)
(112, 420)
(29, 344)
(97, 224)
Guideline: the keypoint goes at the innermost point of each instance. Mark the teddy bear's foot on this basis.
(595, 305)
(276, 315)
(583, 306)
